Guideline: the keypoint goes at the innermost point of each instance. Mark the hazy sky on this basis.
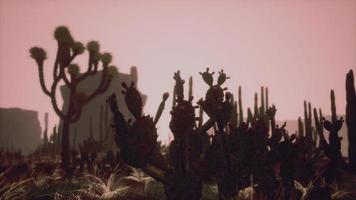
(299, 49)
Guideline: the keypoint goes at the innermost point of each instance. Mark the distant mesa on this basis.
(93, 108)
(19, 129)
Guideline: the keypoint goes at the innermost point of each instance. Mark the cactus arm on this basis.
(266, 94)
(161, 107)
(300, 128)
(255, 112)
(249, 116)
(262, 110)
(200, 124)
(241, 115)
(207, 125)
(319, 127)
(174, 97)
(119, 120)
(333, 107)
(190, 91)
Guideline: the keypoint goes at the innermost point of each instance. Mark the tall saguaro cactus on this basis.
(351, 117)
(67, 51)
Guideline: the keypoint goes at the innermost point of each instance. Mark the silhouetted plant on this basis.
(45, 134)
(351, 117)
(67, 51)
(333, 148)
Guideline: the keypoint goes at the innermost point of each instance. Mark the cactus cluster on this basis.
(235, 149)
(239, 148)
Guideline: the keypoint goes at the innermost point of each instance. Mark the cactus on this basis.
(262, 107)
(267, 105)
(333, 106)
(271, 113)
(67, 51)
(174, 97)
(190, 91)
(200, 122)
(45, 134)
(249, 116)
(234, 116)
(308, 122)
(333, 149)
(161, 107)
(300, 128)
(255, 112)
(55, 141)
(318, 125)
(241, 113)
(351, 118)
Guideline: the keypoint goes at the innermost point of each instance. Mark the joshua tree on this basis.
(67, 51)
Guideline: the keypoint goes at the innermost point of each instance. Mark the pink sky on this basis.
(299, 49)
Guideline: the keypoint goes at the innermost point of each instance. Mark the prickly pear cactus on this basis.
(132, 99)
(214, 105)
(139, 139)
(183, 118)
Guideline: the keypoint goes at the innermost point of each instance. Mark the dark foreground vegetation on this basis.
(224, 156)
